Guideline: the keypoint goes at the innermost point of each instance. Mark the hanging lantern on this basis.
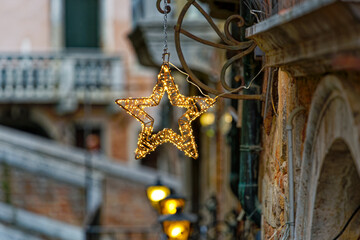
(177, 226)
(171, 203)
(156, 193)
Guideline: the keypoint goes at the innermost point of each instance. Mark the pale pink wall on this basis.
(24, 21)
(138, 77)
(122, 27)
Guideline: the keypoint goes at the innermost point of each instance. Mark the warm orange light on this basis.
(170, 204)
(207, 119)
(177, 230)
(227, 117)
(148, 141)
(157, 193)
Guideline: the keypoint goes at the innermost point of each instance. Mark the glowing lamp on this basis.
(227, 117)
(207, 119)
(156, 193)
(171, 203)
(177, 226)
(177, 230)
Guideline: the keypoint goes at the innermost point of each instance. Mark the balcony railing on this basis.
(49, 159)
(53, 78)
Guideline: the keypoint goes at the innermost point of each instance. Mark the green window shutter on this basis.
(82, 24)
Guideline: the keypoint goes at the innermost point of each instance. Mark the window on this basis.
(93, 139)
(82, 24)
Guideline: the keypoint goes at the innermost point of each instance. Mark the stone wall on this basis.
(127, 207)
(126, 204)
(319, 207)
(42, 196)
(287, 94)
(21, 20)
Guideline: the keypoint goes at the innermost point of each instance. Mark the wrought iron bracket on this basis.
(229, 43)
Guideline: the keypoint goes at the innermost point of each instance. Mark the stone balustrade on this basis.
(58, 77)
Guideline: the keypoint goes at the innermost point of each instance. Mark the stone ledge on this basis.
(310, 37)
(148, 42)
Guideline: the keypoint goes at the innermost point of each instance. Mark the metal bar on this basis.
(229, 63)
(233, 45)
(289, 129)
(216, 45)
(227, 26)
(159, 7)
(211, 22)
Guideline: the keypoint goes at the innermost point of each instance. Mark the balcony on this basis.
(147, 37)
(65, 79)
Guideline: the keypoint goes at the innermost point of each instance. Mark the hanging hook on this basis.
(167, 8)
(166, 57)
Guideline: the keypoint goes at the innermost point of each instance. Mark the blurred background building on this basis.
(291, 159)
(66, 149)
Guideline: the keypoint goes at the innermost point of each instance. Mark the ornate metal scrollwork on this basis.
(158, 6)
(229, 43)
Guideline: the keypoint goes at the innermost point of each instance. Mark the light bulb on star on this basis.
(149, 141)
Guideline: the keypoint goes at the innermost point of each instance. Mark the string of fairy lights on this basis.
(148, 141)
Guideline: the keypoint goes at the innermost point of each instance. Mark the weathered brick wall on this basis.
(118, 135)
(126, 206)
(43, 196)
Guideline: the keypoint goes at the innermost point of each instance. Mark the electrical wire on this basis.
(284, 232)
(188, 80)
(253, 11)
(244, 87)
(260, 9)
(217, 96)
(276, 231)
(347, 223)
(271, 96)
(287, 232)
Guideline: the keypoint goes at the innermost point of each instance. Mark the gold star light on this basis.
(148, 141)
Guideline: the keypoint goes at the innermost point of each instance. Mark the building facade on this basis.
(308, 116)
(67, 165)
(315, 106)
(286, 166)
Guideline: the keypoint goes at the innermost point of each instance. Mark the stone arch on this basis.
(330, 126)
(337, 195)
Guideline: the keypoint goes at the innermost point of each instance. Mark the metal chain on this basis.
(166, 10)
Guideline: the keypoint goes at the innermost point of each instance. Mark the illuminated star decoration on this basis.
(149, 141)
